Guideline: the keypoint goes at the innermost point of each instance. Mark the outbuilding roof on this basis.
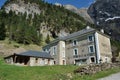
(35, 54)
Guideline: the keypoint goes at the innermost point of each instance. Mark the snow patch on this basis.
(58, 4)
(101, 18)
(97, 23)
(100, 11)
(107, 13)
(116, 17)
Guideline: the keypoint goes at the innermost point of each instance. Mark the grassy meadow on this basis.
(11, 72)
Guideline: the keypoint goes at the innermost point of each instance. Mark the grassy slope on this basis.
(13, 45)
(35, 73)
(10, 72)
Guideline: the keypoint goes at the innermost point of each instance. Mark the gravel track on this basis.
(112, 77)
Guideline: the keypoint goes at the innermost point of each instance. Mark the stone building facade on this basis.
(82, 47)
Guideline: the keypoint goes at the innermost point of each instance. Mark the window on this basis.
(74, 42)
(106, 59)
(75, 51)
(90, 38)
(43, 49)
(92, 59)
(46, 50)
(49, 52)
(91, 49)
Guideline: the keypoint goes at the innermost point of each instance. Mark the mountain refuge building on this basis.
(83, 47)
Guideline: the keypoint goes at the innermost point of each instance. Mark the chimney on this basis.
(102, 30)
(88, 27)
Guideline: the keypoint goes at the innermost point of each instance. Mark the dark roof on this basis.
(35, 54)
(79, 33)
(75, 34)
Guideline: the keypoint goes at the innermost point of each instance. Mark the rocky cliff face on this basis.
(82, 12)
(21, 7)
(71, 8)
(106, 13)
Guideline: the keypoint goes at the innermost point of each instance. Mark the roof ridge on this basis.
(80, 32)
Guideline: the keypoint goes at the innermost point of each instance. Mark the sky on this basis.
(76, 3)
(2, 2)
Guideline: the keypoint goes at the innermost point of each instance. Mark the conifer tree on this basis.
(47, 39)
(2, 31)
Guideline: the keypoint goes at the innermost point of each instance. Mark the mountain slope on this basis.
(31, 21)
(85, 15)
(71, 8)
(106, 13)
(82, 12)
(22, 7)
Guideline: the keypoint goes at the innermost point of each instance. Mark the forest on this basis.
(26, 30)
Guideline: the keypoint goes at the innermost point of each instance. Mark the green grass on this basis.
(34, 73)
(11, 72)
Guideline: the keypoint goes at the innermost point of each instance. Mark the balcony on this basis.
(83, 55)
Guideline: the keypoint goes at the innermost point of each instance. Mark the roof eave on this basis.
(34, 56)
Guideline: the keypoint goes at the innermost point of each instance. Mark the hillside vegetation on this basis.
(7, 48)
(27, 28)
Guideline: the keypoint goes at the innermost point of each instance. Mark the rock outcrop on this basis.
(94, 68)
(82, 12)
(22, 7)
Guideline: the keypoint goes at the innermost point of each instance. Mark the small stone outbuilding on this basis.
(30, 58)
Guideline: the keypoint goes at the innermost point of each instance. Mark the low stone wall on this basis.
(94, 68)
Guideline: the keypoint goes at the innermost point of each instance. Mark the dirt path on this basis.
(112, 77)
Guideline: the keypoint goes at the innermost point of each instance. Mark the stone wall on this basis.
(104, 48)
(94, 68)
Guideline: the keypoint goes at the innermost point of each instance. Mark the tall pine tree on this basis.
(2, 31)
